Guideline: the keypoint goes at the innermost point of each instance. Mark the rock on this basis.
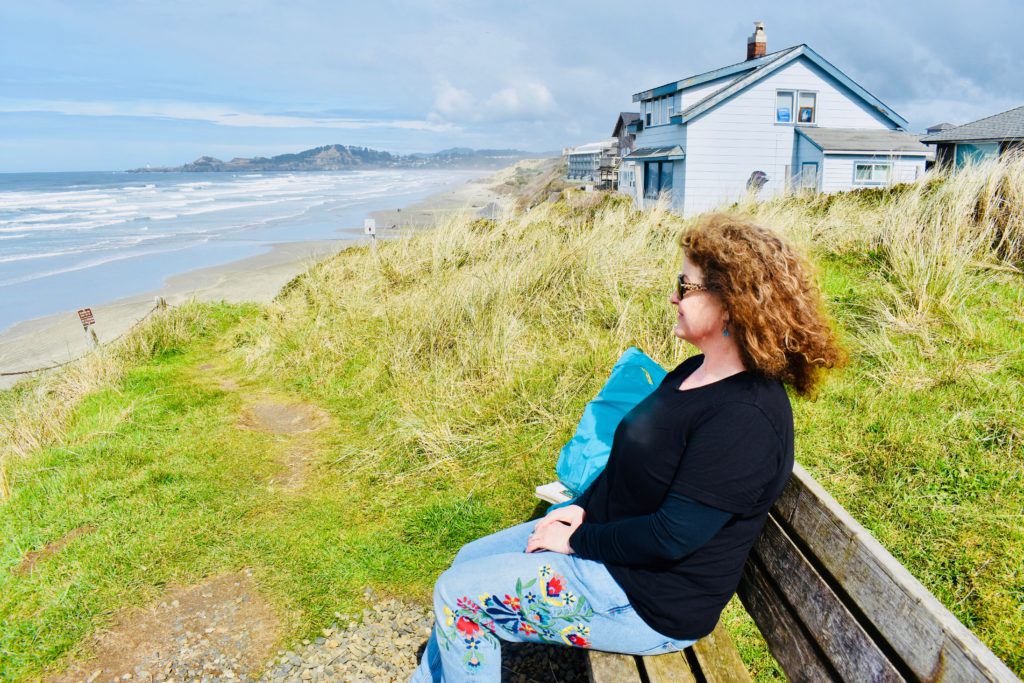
(382, 647)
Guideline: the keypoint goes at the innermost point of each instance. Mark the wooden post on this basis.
(86, 316)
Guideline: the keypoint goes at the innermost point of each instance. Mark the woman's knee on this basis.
(467, 552)
(447, 587)
(508, 540)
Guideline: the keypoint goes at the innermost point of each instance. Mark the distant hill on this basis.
(345, 157)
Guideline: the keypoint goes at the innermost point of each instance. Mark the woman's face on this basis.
(700, 314)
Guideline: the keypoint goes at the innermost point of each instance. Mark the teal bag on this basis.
(634, 377)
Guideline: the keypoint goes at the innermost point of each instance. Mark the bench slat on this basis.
(607, 667)
(670, 668)
(926, 635)
(788, 643)
(853, 654)
(719, 659)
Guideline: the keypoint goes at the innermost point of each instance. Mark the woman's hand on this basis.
(553, 537)
(553, 531)
(573, 515)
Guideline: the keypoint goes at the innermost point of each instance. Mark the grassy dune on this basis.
(453, 365)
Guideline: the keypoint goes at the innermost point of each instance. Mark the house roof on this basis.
(595, 147)
(713, 75)
(1009, 125)
(651, 153)
(859, 140)
(625, 118)
(751, 71)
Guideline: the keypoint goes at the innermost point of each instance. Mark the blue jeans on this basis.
(495, 591)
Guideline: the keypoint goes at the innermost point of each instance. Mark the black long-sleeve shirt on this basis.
(683, 463)
(677, 528)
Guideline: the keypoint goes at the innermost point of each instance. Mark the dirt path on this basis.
(220, 629)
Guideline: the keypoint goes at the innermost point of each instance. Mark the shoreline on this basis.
(59, 337)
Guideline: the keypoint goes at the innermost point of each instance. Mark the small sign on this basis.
(782, 114)
(370, 226)
(85, 315)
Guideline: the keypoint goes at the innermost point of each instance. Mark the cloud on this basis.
(452, 102)
(521, 101)
(218, 115)
(525, 100)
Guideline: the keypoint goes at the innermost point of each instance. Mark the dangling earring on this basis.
(725, 331)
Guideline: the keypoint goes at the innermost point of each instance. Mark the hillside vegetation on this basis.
(450, 367)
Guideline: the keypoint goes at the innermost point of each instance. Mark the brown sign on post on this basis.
(85, 315)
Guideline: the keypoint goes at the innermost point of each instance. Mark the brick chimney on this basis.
(757, 44)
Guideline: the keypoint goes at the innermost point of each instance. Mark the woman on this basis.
(646, 559)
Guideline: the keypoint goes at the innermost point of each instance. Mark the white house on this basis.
(787, 120)
(594, 162)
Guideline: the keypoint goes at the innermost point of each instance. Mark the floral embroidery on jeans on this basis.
(549, 614)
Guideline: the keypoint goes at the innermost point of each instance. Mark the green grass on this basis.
(454, 365)
(176, 491)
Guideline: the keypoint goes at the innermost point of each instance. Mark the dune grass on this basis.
(454, 365)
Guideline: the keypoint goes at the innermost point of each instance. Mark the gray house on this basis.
(625, 133)
(979, 140)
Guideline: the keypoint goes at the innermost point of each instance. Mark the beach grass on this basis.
(451, 366)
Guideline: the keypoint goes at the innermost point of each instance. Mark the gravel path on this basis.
(383, 644)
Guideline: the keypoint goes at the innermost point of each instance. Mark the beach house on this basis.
(775, 122)
(979, 140)
(594, 163)
(625, 132)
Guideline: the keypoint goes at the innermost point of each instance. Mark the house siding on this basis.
(740, 136)
(660, 136)
(837, 174)
(806, 152)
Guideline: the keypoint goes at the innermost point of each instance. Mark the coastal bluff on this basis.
(348, 157)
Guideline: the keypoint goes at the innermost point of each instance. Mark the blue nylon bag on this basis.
(634, 377)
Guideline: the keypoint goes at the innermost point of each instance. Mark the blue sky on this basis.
(91, 85)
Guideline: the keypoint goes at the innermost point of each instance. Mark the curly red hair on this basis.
(775, 307)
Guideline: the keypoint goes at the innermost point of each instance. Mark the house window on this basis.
(871, 173)
(657, 178)
(805, 102)
(975, 153)
(648, 106)
(805, 112)
(784, 106)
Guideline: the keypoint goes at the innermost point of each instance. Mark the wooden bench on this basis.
(832, 604)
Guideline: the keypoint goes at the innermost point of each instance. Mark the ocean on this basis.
(76, 240)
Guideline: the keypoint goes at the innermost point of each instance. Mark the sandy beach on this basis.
(58, 338)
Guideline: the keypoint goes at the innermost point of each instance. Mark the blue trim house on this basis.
(978, 141)
(710, 139)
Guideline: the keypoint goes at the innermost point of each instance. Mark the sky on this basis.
(111, 85)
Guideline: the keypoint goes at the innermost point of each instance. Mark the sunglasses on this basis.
(683, 287)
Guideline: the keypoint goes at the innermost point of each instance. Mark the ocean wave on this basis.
(104, 245)
(93, 264)
(101, 219)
